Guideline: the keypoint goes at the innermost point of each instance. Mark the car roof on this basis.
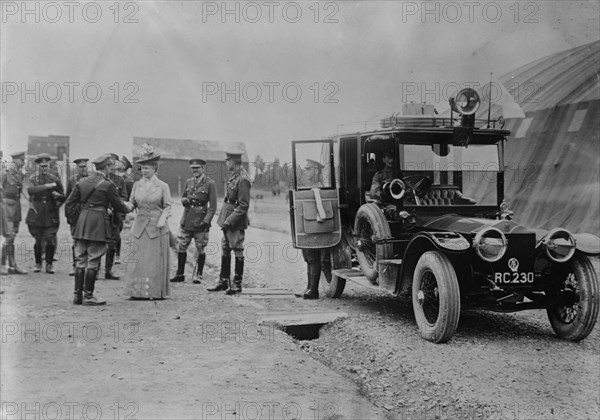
(430, 130)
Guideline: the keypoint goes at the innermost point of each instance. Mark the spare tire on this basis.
(370, 226)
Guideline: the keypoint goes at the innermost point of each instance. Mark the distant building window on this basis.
(523, 127)
(577, 120)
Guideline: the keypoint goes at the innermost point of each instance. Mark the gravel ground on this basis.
(372, 364)
(497, 366)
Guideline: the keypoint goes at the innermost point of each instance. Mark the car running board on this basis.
(355, 276)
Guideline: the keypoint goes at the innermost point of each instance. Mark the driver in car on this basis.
(387, 174)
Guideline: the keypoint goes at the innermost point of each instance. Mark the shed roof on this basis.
(185, 149)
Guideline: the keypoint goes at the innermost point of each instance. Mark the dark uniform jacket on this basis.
(129, 180)
(380, 178)
(72, 182)
(237, 201)
(119, 181)
(94, 222)
(12, 185)
(43, 210)
(202, 195)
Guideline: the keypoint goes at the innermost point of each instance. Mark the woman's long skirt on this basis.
(147, 273)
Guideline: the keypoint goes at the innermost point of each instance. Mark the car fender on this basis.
(449, 243)
(587, 243)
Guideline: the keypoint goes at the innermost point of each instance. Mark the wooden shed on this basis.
(175, 155)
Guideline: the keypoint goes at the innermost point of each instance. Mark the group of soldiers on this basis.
(123, 181)
(46, 195)
(199, 198)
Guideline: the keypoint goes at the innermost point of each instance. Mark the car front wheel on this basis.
(337, 257)
(575, 321)
(435, 297)
(370, 228)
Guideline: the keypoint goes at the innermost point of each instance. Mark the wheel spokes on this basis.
(567, 314)
(367, 243)
(429, 292)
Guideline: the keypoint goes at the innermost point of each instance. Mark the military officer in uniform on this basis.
(199, 198)
(116, 218)
(81, 171)
(123, 170)
(12, 187)
(233, 220)
(46, 194)
(387, 174)
(313, 178)
(93, 230)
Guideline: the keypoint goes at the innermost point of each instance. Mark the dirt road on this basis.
(203, 355)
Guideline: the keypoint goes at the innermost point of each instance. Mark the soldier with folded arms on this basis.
(46, 194)
(199, 198)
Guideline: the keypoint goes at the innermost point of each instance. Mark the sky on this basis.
(263, 73)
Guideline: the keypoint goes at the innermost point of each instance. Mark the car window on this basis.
(312, 166)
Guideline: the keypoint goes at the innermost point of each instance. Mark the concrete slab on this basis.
(245, 302)
(300, 318)
(266, 291)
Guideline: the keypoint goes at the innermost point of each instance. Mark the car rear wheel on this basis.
(370, 226)
(576, 321)
(435, 297)
(338, 257)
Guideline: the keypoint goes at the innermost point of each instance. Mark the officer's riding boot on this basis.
(12, 263)
(118, 251)
(88, 289)
(179, 276)
(223, 281)
(3, 266)
(236, 287)
(49, 258)
(314, 275)
(200, 265)
(301, 294)
(110, 258)
(72, 272)
(37, 252)
(79, 278)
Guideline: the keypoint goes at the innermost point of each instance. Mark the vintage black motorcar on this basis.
(438, 230)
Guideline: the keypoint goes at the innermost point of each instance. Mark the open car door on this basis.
(314, 201)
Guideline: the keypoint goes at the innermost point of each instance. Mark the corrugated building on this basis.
(175, 155)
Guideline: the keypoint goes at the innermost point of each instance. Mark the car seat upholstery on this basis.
(445, 195)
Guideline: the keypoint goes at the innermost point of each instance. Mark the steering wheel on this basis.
(419, 184)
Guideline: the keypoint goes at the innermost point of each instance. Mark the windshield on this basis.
(469, 172)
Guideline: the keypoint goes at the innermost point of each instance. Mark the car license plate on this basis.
(513, 278)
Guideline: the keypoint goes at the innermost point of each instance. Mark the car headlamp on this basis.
(490, 244)
(559, 245)
(466, 102)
